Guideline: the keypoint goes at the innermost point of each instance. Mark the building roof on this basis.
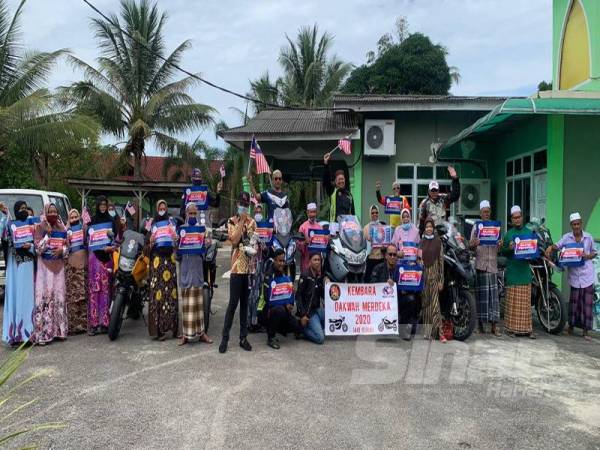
(377, 102)
(285, 124)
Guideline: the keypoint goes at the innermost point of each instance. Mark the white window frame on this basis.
(531, 175)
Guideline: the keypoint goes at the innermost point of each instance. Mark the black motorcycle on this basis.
(337, 324)
(129, 291)
(387, 324)
(212, 242)
(550, 306)
(456, 301)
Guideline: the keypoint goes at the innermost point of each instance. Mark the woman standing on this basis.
(433, 262)
(75, 274)
(405, 232)
(100, 272)
(162, 311)
(19, 295)
(50, 314)
(517, 278)
(191, 282)
(376, 255)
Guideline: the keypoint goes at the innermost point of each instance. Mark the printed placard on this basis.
(55, 241)
(264, 229)
(381, 235)
(526, 246)
(410, 277)
(197, 195)
(410, 250)
(76, 238)
(393, 205)
(360, 309)
(281, 291)
(571, 255)
(162, 233)
(99, 236)
(21, 232)
(318, 240)
(191, 240)
(34, 220)
(488, 232)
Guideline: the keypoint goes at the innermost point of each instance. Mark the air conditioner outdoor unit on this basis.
(472, 191)
(379, 138)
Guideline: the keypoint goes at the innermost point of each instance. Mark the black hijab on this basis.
(103, 217)
(17, 207)
(22, 254)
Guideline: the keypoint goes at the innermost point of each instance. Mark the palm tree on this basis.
(132, 90)
(33, 127)
(310, 75)
(265, 90)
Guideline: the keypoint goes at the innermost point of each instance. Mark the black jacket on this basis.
(310, 293)
(344, 203)
(381, 273)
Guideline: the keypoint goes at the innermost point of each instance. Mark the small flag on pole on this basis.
(345, 145)
(222, 171)
(262, 166)
(130, 208)
(85, 216)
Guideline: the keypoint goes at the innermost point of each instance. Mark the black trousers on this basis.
(279, 320)
(371, 263)
(238, 293)
(409, 307)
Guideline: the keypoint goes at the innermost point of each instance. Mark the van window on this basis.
(34, 201)
(61, 206)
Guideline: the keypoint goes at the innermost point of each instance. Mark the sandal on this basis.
(204, 338)
(183, 341)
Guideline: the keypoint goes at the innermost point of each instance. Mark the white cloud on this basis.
(500, 46)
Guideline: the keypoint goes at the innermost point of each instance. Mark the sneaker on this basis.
(245, 345)
(273, 343)
(223, 347)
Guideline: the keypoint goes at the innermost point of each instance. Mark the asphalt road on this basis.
(490, 393)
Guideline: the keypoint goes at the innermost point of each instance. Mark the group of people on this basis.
(53, 290)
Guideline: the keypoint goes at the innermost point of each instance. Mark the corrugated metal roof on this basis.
(297, 122)
(377, 98)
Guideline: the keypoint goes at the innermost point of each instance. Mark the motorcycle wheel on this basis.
(380, 327)
(466, 319)
(344, 327)
(206, 304)
(331, 328)
(558, 312)
(116, 316)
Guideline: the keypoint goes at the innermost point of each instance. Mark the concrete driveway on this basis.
(489, 393)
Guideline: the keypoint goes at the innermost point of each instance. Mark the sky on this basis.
(501, 47)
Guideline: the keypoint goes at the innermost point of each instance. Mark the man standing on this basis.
(395, 219)
(274, 197)
(310, 224)
(581, 276)
(486, 275)
(340, 199)
(213, 200)
(436, 204)
(240, 228)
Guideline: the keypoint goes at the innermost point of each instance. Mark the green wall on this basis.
(582, 171)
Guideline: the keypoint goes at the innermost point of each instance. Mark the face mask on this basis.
(161, 213)
(428, 236)
(52, 220)
(112, 213)
(22, 215)
(196, 182)
(406, 226)
(192, 221)
(242, 210)
(258, 217)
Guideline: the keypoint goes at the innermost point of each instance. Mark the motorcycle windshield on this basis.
(282, 221)
(351, 233)
(454, 237)
(132, 242)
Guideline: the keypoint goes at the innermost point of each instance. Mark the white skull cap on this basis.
(515, 209)
(484, 204)
(574, 216)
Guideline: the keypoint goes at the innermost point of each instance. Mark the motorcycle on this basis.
(550, 306)
(347, 258)
(283, 238)
(212, 244)
(131, 281)
(337, 324)
(387, 324)
(456, 301)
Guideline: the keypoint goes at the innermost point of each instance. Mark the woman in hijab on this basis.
(162, 310)
(405, 232)
(433, 262)
(100, 272)
(376, 255)
(75, 274)
(50, 314)
(19, 295)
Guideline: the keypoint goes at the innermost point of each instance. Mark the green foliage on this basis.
(413, 66)
(11, 406)
(545, 86)
(132, 91)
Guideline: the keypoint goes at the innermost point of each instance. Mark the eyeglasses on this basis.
(434, 190)
(393, 255)
(277, 178)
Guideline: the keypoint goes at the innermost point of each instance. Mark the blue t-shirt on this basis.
(273, 201)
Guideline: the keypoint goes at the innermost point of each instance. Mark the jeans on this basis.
(238, 293)
(315, 329)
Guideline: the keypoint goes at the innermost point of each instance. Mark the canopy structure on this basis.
(514, 109)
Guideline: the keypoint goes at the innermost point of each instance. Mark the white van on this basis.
(36, 200)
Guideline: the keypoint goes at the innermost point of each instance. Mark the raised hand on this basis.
(452, 172)
(378, 185)
(326, 158)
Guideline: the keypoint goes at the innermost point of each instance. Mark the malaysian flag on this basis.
(262, 166)
(345, 145)
(85, 216)
(130, 208)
